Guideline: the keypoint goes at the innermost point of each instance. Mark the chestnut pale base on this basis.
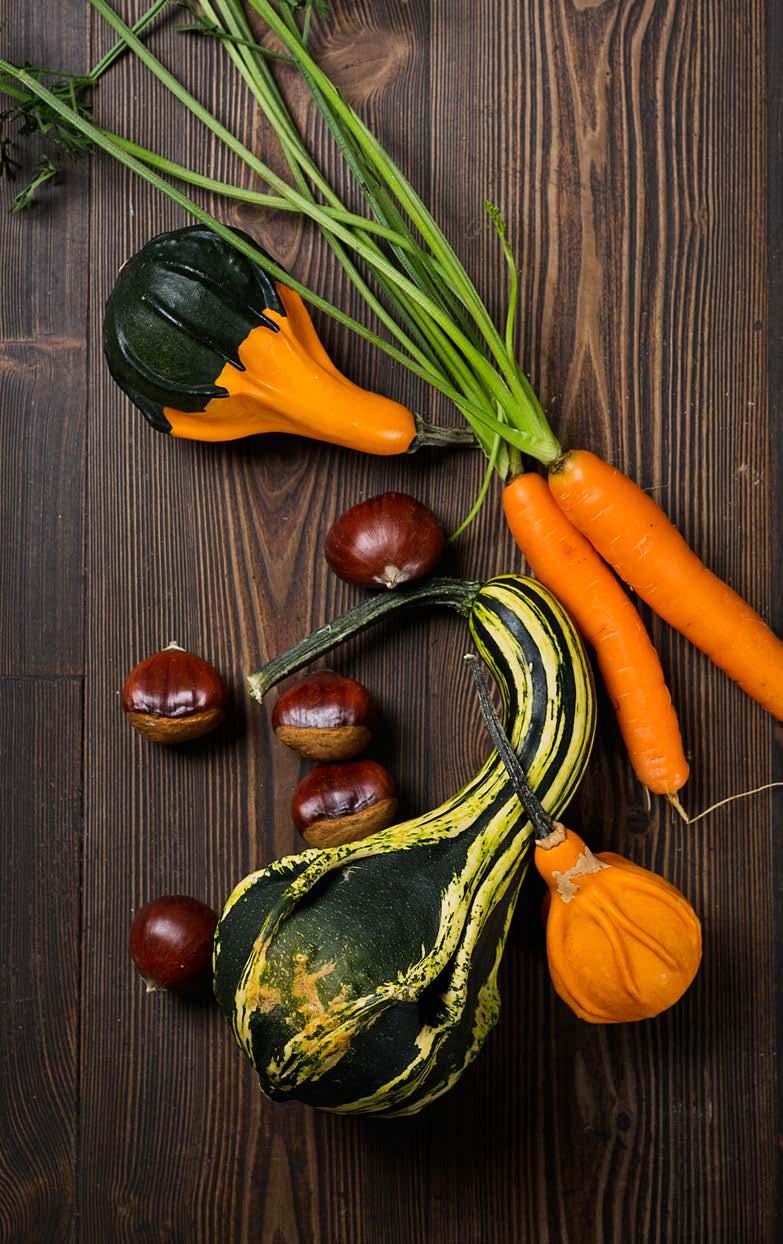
(325, 743)
(352, 828)
(169, 730)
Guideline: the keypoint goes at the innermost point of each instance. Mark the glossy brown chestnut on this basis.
(171, 943)
(174, 696)
(341, 803)
(385, 541)
(325, 717)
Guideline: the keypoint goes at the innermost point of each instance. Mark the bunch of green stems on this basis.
(396, 256)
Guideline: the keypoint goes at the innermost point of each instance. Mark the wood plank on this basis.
(193, 1156)
(379, 55)
(634, 183)
(775, 389)
(40, 758)
(637, 201)
(43, 323)
(42, 400)
(44, 293)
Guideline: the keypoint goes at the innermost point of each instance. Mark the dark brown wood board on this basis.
(44, 324)
(634, 149)
(40, 917)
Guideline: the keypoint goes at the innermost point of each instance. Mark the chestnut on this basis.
(385, 541)
(174, 696)
(325, 717)
(171, 943)
(341, 803)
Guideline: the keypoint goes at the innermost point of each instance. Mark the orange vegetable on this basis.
(565, 562)
(210, 348)
(647, 551)
(622, 943)
(288, 383)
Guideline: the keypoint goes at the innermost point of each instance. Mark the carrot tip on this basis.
(678, 808)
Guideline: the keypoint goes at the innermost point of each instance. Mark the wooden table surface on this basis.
(633, 147)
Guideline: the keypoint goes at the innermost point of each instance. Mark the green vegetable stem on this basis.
(429, 315)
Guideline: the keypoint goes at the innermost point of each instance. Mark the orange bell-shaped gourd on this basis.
(622, 943)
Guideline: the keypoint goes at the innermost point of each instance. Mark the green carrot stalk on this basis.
(32, 115)
(396, 256)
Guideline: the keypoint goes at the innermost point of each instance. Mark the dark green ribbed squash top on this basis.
(179, 311)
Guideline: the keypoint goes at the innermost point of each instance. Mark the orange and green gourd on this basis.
(362, 978)
(210, 348)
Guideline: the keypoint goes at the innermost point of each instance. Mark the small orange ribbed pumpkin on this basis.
(622, 943)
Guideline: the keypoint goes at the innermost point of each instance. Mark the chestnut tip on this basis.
(385, 541)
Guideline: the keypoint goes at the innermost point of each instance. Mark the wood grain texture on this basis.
(43, 329)
(42, 426)
(43, 295)
(775, 388)
(625, 142)
(40, 758)
(644, 279)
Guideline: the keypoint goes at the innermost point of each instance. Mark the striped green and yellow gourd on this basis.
(363, 978)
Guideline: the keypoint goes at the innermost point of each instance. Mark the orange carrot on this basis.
(635, 536)
(564, 561)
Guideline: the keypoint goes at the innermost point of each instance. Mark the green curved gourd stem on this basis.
(457, 594)
(543, 824)
(432, 434)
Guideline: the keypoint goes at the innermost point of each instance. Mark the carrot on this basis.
(635, 536)
(565, 562)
